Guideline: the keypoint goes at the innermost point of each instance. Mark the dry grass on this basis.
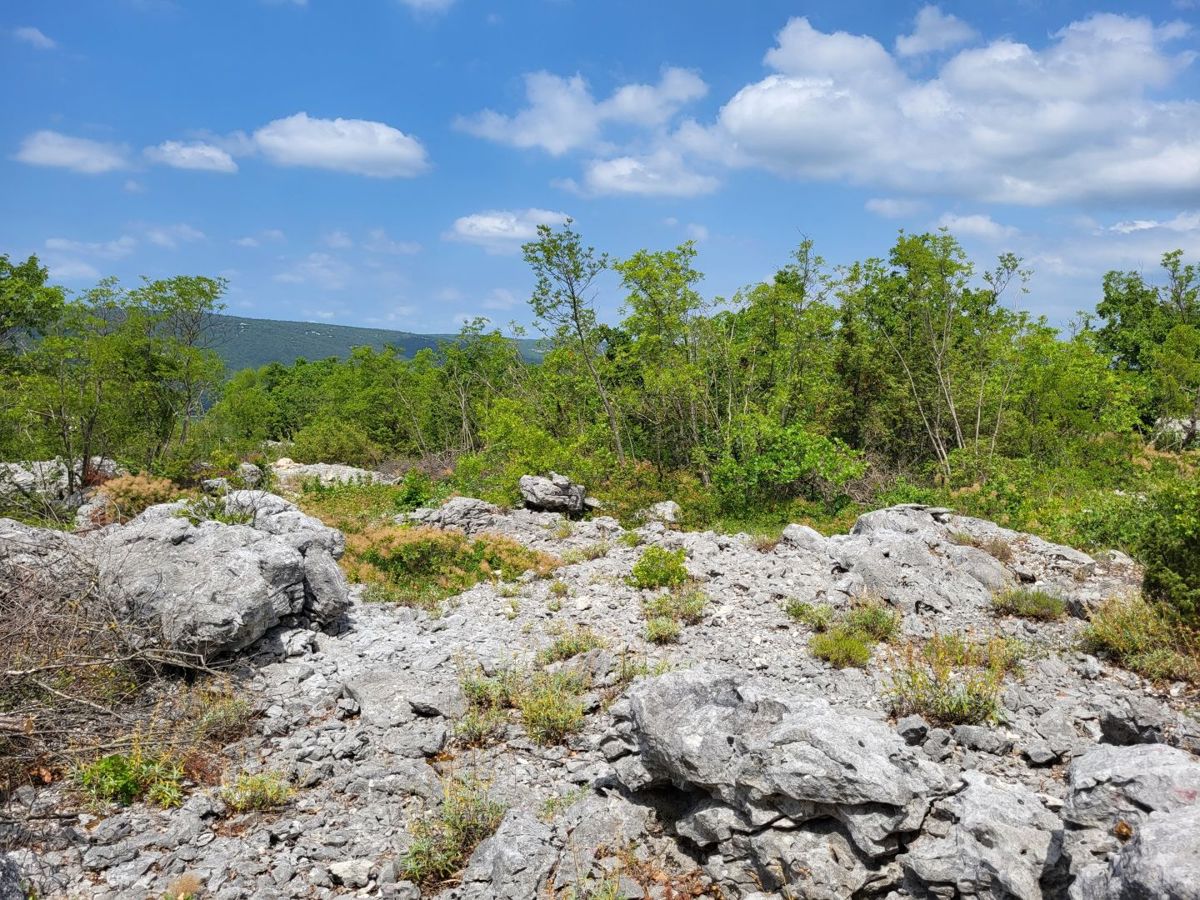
(1144, 638)
(952, 679)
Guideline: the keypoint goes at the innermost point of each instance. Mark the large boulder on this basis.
(43, 559)
(991, 839)
(514, 863)
(1162, 859)
(215, 587)
(556, 493)
(48, 482)
(773, 779)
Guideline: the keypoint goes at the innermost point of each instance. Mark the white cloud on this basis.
(267, 235)
(171, 236)
(662, 173)
(379, 242)
(1077, 120)
(27, 34)
(893, 207)
(428, 6)
(1184, 222)
(502, 230)
(320, 269)
(338, 240)
(977, 225)
(194, 155)
(358, 146)
(115, 249)
(935, 30)
(50, 148)
(697, 232)
(500, 298)
(72, 270)
(562, 115)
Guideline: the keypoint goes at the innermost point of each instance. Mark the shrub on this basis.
(260, 791)
(873, 619)
(222, 717)
(498, 691)
(213, 509)
(1170, 552)
(127, 496)
(569, 643)
(124, 778)
(421, 566)
(658, 567)
(662, 630)
(331, 441)
(558, 588)
(443, 841)
(818, 618)
(686, 606)
(952, 680)
(630, 539)
(1030, 604)
(1144, 638)
(841, 646)
(550, 707)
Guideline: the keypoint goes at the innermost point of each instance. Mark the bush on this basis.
(662, 630)
(124, 778)
(1144, 638)
(685, 606)
(422, 566)
(952, 680)
(818, 618)
(841, 646)
(263, 790)
(442, 842)
(127, 496)
(569, 643)
(1170, 551)
(330, 441)
(873, 619)
(551, 708)
(658, 567)
(1030, 605)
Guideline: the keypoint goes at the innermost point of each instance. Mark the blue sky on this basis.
(378, 162)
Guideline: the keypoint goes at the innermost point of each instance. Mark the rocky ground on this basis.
(732, 763)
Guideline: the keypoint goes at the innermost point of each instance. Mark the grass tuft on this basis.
(443, 841)
(260, 791)
(841, 646)
(1030, 605)
(1144, 638)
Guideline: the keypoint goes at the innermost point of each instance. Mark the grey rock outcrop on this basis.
(215, 588)
(12, 883)
(290, 475)
(557, 493)
(841, 784)
(1161, 860)
(514, 863)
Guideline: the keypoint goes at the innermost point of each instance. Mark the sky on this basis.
(380, 162)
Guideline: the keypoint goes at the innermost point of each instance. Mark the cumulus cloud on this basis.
(358, 146)
(976, 225)
(1076, 120)
(1184, 222)
(893, 207)
(934, 30)
(55, 150)
(193, 155)
(114, 249)
(502, 230)
(320, 269)
(562, 115)
(171, 236)
(662, 173)
(338, 240)
(266, 236)
(27, 34)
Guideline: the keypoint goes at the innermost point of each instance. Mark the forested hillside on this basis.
(245, 343)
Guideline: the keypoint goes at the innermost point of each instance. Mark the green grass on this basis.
(123, 778)
(662, 630)
(875, 619)
(551, 707)
(444, 840)
(257, 792)
(841, 647)
(1144, 638)
(685, 606)
(953, 680)
(1027, 604)
(818, 618)
(658, 568)
(569, 643)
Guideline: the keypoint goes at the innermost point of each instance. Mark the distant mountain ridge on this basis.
(245, 343)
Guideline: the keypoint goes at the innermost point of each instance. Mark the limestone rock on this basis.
(514, 863)
(290, 475)
(553, 494)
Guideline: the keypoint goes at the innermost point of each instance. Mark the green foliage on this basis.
(662, 630)
(551, 708)
(658, 567)
(256, 792)
(332, 441)
(1170, 550)
(873, 619)
(571, 642)
(952, 680)
(124, 778)
(1030, 604)
(444, 840)
(685, 605)
(818, 618)
(1145, 638)
(841, 646)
